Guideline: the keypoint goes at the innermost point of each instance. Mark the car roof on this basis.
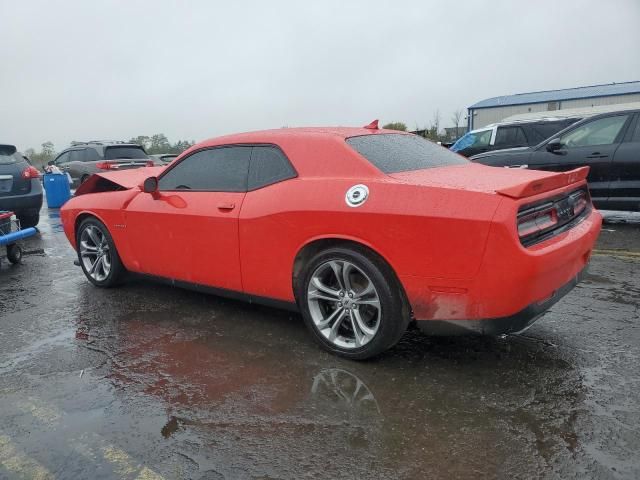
(313, 151)
(102, 144)
(99, 145)
(269, 136)
(526, 122)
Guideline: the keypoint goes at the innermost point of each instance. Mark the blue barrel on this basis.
(57, 189)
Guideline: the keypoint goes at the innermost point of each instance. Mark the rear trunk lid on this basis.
(509, 182)
(127, 163)
(126, 156)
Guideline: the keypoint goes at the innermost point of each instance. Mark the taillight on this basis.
(107, 165)
(542, 218)
(580, 201)
(30, 172)
(536, 222)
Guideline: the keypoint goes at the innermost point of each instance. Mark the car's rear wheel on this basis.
(97, 254)
(27, 221)
(352, 303)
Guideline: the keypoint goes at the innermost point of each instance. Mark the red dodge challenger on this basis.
(362, 230)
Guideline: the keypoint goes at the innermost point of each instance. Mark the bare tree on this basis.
(436, 121)
(456, 118)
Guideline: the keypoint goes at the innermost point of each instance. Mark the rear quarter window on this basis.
(268, 166)
(393, 153)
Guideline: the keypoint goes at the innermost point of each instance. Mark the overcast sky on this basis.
(81, 70)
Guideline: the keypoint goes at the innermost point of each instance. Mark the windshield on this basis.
(472, 139)
(393, 153)
(114, 153)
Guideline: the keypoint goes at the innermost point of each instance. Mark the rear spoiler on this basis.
(541, 185)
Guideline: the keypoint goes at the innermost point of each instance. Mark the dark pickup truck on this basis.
(608, 143)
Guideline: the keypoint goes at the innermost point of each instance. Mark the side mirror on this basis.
(554, 145)
(150, 185)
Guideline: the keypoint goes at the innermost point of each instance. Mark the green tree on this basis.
(143, 140)
(46, 154)
(395, 126)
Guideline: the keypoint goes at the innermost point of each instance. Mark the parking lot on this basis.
(148, 381)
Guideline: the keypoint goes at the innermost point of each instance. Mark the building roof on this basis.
(591, 91)
(572, 112)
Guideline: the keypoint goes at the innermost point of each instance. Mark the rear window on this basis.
(8, 155)
(393, 153)
(114, 153)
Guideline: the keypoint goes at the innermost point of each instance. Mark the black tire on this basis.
(394, 309)
(116, 271)
(83, 179)
(27, 221)
(14, 253)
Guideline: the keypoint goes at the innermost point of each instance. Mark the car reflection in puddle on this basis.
(345, 391)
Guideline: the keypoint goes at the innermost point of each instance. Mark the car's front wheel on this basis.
(97, 254)
(352, 303)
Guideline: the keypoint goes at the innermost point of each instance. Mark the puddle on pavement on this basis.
(186, 381)
(253, 377)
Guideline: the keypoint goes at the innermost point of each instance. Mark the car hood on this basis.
(511, 182)
(124, 179)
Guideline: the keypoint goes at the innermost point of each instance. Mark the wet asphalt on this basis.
(149, 382)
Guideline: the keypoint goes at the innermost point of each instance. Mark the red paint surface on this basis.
(448, 234)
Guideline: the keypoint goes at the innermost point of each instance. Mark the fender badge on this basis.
(356, 195)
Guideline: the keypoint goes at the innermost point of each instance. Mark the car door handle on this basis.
(597, 155)
(226, 206)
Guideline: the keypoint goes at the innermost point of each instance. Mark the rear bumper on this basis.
(515, 323)
(514, 284)
(29, 203)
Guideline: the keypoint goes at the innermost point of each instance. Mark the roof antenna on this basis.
(372, 126)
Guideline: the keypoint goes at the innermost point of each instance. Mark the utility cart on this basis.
(11, 233)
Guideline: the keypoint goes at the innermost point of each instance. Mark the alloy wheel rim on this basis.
(344, 304)
(95, 253)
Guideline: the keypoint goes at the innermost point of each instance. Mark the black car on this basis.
(608, 143)
(20, 186)
(499, 136)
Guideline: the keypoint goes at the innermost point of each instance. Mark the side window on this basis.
(268, 166)
(76, 155)
(603, 131)
(90, 155)
(510, 137)
(222, 169)
(482, 139)
(636, 133)
(64, 158)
